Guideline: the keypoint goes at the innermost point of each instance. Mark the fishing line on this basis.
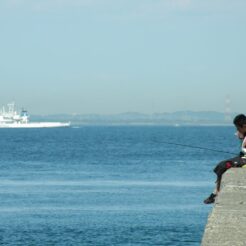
(197, 147)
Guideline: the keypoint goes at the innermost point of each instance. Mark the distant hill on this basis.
(130, 118)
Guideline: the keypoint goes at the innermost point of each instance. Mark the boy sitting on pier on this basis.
(238, 161)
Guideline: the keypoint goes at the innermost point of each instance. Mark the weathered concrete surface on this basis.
(227, 222)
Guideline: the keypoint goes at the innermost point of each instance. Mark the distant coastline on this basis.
(180, 118)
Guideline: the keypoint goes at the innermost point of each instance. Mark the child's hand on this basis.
(239, 135)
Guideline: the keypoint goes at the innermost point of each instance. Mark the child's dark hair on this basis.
(240, 120)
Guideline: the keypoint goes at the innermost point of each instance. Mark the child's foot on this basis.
(210, 199)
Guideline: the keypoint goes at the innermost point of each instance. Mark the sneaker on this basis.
(210, 199)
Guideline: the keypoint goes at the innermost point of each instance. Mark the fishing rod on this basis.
(197, 147)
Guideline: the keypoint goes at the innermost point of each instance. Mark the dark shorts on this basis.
(225, 165)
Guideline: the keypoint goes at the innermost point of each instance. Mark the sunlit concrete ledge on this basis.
(227, 221)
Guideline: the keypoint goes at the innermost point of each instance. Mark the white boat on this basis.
(12, 119)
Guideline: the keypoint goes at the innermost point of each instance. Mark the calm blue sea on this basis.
(107, 185)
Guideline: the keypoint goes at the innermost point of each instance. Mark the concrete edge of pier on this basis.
(226, 224)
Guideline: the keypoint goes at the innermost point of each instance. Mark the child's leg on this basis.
(218, 182)
(219, 170)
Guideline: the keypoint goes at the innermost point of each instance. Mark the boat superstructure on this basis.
(10, 118)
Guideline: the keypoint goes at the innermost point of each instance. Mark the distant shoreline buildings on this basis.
(134, 118)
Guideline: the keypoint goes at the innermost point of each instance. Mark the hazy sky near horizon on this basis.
(114, 56)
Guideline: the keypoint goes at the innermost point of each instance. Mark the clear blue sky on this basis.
(114, 56)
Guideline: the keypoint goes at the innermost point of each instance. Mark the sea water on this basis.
(108, 185)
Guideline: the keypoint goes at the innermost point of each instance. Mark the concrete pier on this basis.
(227, 222)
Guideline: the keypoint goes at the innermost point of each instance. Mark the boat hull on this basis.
(34, 125)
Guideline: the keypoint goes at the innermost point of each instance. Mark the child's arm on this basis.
(244, 146)
(243, 141)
